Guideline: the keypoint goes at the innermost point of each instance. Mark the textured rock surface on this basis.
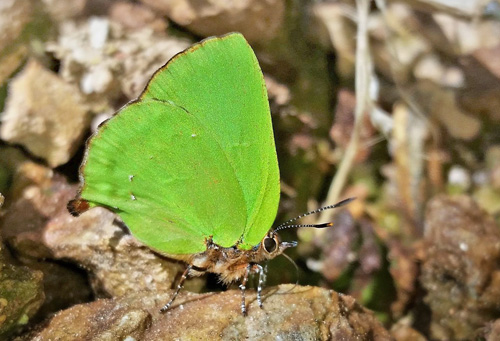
(95, 241)
(290, 313)
(460, 271)
(14, 15)
(44, 114)
(106, 61)
(62, 9)
(21, 294)
(258, 20)
(136, 16)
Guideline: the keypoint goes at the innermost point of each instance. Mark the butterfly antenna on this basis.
(286, 225)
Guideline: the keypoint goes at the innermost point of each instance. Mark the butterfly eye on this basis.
(270, 244)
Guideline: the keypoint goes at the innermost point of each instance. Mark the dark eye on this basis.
(270, 244)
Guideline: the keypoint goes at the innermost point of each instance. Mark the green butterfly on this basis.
(191, 166)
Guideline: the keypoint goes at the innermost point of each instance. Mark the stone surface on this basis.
(136, 16)
(257, 20)
(442, 105)
(95, 240)
(460, 270)
(14, 15)
(492, 331)
(472, 8)
(106, 61)
(290, 313)
(21, 294)
(44, 114)
(63, 9)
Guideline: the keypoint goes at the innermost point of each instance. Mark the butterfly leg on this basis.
(179, 287)
(262, 278)
(243, 288)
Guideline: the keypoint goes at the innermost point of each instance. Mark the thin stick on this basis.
(363, 103)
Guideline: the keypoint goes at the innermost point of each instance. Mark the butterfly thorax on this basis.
(231, 263)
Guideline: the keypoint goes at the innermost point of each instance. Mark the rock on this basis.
(470, 9)
(21, 294)
(44, 114)
(62, 9)
(492, 331)
(14, 15)
(64, 285)
(106, 61)
(460, 269)
(11, 61)
(442, 105)
(488, 58)
(482, 94)
(258, 20)
(290, 312)
(95, 241)
(465, 35)
(401, 331)
(136, 16)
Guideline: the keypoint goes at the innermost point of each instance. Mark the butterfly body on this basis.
(230, 263)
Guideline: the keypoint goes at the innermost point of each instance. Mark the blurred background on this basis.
(396, 103)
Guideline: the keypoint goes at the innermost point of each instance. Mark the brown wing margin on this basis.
(77, 206)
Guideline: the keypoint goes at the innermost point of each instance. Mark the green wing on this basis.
(166, 176)
(194, 157)
(220, 82)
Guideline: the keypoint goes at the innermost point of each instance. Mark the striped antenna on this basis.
(322, 225)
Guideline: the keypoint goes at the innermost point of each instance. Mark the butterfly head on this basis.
(272, 246)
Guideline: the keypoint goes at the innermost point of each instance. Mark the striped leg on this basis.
(262, 278)
(243, 288)
(179, 287)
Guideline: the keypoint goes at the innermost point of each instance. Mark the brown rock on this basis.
(443, 107)
(136, 16)
(470, 9)
(14, 15)
(492, 331)
(62, 9)
(106, 61)
(21, 294)
(460, 271)
(290, 312)
(44, 114)
(401, 331)
(257, 20)
(482, 94)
